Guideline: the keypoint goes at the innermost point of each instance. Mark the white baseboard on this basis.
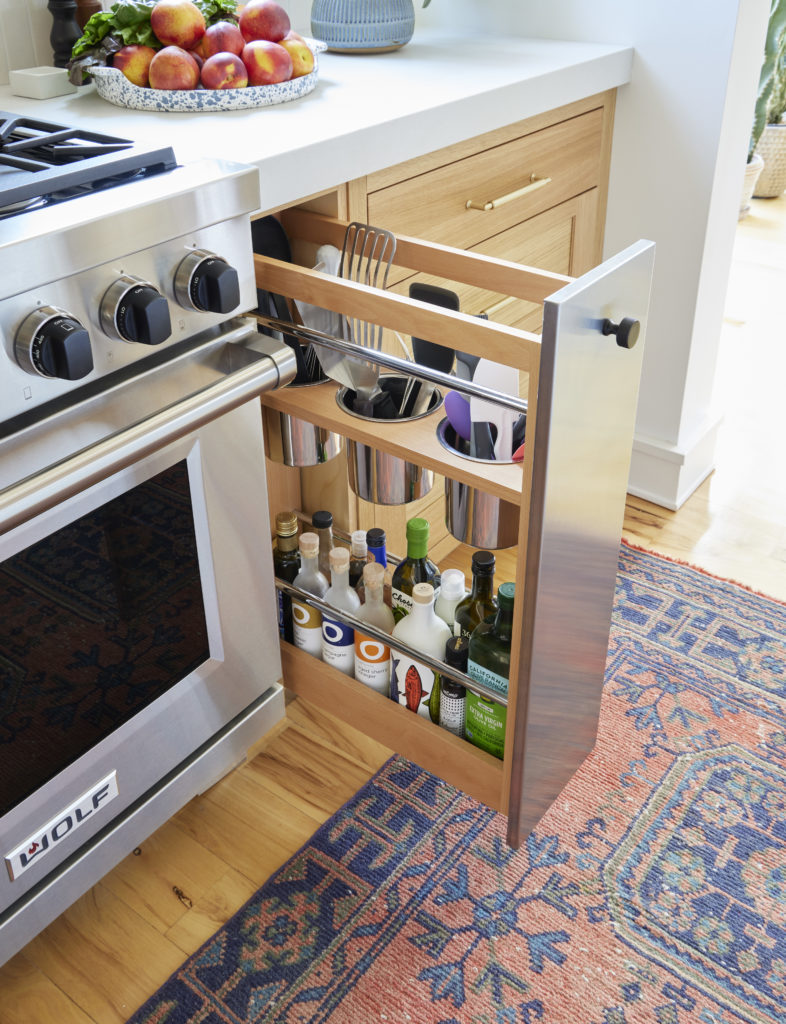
(667, 474)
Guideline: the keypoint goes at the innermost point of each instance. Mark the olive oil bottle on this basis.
(489, 663)
(286, 565)
(480, 602)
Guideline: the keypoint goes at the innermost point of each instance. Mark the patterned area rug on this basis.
(654, 889)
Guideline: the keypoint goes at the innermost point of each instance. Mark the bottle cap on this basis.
(375, 537)
(483, 563)
(417, 529)
(359, 545)
(423, 593)
(373, 575)
(453, 585)
(322, 520)
(457, 652)
(309, 544)
(286, 524)
(339, 558)
(505, 594)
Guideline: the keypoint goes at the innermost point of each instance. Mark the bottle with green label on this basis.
(489, 663)
(417, 567)
(480, 603)
(307, 621)
(286, 565)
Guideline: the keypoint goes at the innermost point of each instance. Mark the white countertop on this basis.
(367, 112)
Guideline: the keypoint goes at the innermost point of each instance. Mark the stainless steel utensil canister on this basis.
(296, 442)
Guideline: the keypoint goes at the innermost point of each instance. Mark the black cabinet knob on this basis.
(627, 331)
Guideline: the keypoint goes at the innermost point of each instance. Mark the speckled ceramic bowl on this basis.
(113, 86)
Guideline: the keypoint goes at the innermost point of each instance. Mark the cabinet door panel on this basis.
(586, 407)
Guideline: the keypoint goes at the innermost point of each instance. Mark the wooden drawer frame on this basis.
(556, 680)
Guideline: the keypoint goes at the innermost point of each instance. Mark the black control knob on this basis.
(627, 331)
(53, 343)
(207, 282)
(133, 310)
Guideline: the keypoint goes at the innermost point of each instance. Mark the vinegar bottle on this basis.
(480, 602)
(489, 663)
(372, 657)
(412, 683)
(307, 621)
(286, 565)
(377, 548)
(417, 567)
(338, 639)
(322, 524)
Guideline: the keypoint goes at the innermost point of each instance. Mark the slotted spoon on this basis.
(366, 257)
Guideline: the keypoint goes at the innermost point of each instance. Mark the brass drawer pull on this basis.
(534, 182)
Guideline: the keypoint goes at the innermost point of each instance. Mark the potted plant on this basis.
(772, 143)
(771, 73)
(363, 26)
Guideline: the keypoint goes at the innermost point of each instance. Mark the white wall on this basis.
(680, 141)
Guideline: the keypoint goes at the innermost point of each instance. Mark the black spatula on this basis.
(428, 353)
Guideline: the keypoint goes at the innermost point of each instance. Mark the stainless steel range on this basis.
(138, 639)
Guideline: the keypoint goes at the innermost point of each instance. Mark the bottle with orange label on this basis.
(372, 657)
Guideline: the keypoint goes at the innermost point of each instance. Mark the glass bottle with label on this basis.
(322, 524)
(489, 663)
(417, 567)
(480, 602)
(412, 683)
(307, 621)
(338, 639)
(452, 590)
(372, 657)
(358, 557)
(286, 565)
(452, 695)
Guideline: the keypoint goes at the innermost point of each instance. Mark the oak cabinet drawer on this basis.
(433, 205)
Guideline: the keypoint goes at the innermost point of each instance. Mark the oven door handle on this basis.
(250, 363)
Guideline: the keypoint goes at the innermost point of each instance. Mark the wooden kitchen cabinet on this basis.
(582, 389)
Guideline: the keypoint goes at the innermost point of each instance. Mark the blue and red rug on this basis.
(654, 889)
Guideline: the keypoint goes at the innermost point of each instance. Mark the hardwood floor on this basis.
(102, 958)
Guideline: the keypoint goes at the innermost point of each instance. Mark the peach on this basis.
(264, 19)
(174, 68)
(177, 23)
(267, 63)
(224, 71)
(222, 37)
(134, 62)
(197, 55)
(302, 57)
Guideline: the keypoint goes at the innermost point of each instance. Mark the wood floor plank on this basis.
(212, 910)
(331, 732)
(104, 956)
(167, 875)
(27, 996)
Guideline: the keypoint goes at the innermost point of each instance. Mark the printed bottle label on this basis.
(402, 604)
(452, 713)
(488, 678)
(411, 684)
(338, 645)
(372, 663)
(280, 613)
(307, 628)
(485, 723)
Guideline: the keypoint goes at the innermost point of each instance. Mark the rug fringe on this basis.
(705, 572)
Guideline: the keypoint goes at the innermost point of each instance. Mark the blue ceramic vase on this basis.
(363, 26)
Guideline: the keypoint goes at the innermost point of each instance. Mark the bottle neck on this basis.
(285, 544)
(310, 563)
(503, 623)
(374, 596)
(379, 553)
(339, 579)
(482, 585)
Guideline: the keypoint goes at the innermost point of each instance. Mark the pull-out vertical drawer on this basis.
(570, 489)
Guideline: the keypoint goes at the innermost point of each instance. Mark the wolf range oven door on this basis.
(139, 657)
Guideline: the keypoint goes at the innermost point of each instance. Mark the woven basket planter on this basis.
(772, 148)
(363, 26)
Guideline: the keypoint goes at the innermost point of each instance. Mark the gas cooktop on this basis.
(42, 163)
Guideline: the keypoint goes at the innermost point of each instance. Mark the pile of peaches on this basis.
(261, 49)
